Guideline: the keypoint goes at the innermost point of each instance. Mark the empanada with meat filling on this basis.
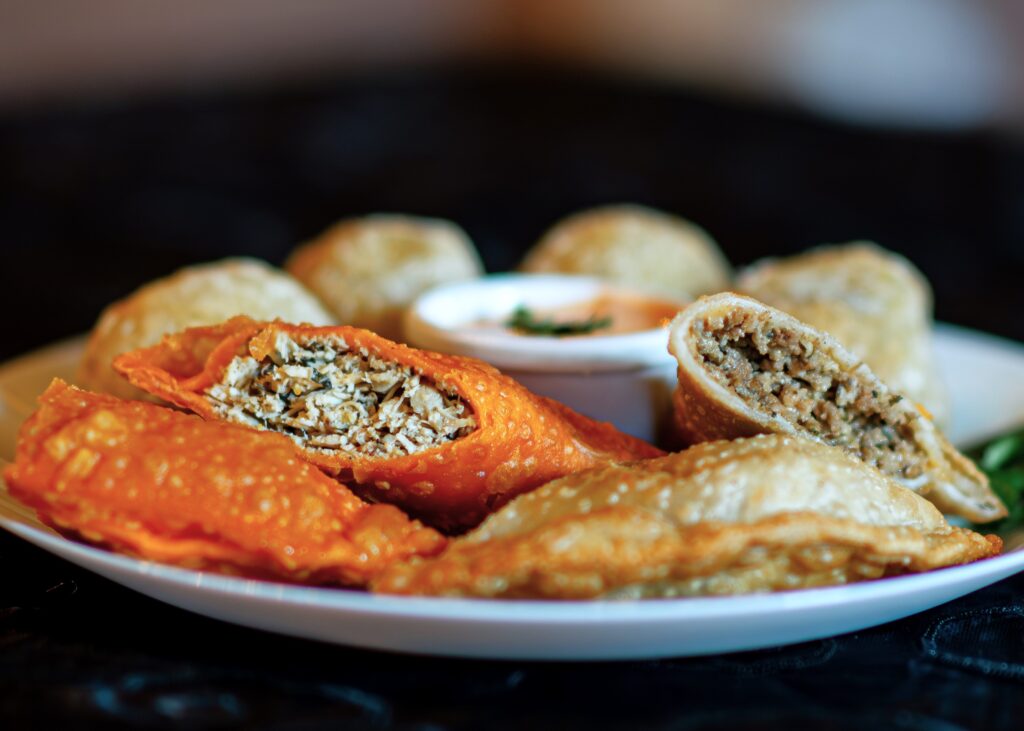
(446, 438)
(767, 513)
(746, 368)
(874, 302)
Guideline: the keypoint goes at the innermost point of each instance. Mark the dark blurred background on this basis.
(136, 138)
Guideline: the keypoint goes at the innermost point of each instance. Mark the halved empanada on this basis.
(752, 515)
(746, 368)
(874, 302)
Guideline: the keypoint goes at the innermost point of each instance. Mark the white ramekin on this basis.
(626, 379)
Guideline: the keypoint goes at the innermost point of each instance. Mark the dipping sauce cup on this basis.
(617, 370)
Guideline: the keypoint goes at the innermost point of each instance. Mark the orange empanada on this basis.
(762, 514)
(168, 486)
(447, 438)
(746, 368)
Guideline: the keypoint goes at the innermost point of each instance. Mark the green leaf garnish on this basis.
(524, 321)
(1002, 460)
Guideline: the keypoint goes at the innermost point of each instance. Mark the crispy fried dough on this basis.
(752, 515)
(502, 440)
(369, 270)
(633, 246)
(746, 368)
(163, 485)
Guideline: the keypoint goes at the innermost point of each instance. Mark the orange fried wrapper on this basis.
(521, 440)
(167, 486)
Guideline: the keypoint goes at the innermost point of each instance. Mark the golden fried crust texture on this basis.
(520, 440)
(369, 270)
(197, 295)
(159, 484)
(766, 513)
(822, 392)
(874, 302)
(633, 246)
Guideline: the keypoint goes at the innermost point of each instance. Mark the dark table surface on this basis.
(97, 199)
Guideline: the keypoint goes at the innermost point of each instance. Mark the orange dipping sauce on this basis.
(626, 313)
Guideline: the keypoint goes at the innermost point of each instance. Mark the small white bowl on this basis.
(626, 379)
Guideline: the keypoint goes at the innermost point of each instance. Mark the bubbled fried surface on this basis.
(170, 487)
(751, 515)
(520, 440)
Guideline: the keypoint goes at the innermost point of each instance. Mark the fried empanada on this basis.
(874, 302)
(167, 486)
(746, 368)
(198, 295)
(369, 270)
(633, 246)
(767, 513)
(446, 438)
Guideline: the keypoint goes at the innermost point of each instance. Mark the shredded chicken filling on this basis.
(329, 398)
(779, 372)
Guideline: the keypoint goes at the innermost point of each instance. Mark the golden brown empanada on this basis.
(633, 246)
(369, 270)
(746, 368)
(752, 515)
(874, 302)
(198, 295)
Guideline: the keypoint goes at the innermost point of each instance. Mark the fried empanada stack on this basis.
(447, 438)
(767, 513)
(159, 484)
(746, 368)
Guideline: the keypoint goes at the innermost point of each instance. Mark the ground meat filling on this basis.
(778, 371)
(330, 398)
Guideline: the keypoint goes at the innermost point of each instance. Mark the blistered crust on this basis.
(519, 440)
(634, 246)
(166, 486)
(199, 295)
(708, 406)
(369, 270)
(762, 514)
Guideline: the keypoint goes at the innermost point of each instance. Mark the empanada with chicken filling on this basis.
(746, 368)
(446, 438)
(767, 513)
(874, 302)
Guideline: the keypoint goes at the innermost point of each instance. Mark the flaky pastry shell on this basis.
(766, 513)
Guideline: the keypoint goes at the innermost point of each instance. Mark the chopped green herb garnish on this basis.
(525, 321)
(1002, 459)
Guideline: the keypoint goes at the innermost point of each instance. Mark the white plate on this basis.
(985, 376)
